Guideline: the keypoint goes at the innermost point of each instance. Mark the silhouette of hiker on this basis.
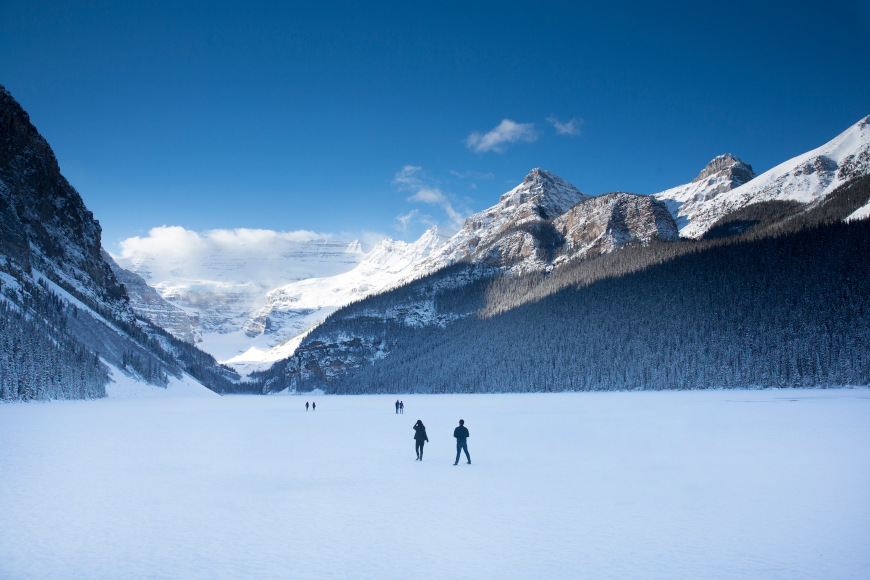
(461, 434)
(314, 408)
(420, 437)
(306, 406)
(397, 406)
(401, 407)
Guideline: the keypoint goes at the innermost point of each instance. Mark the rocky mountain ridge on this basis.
(44, 223)
(68, 327)
(806, 178)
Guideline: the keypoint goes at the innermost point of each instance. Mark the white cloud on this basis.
(405, 220)
(571, 128)
(236, 256)
(471, 174)
(409, 180)
(505, 133)
(430, 196)
(178, 241)
(407, 176)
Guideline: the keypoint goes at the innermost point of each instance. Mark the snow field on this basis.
(719, 484)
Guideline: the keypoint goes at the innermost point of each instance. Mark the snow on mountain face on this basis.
(545, 216)
(722, 174)
(727, 167)
(541, 196)
(222, 279)
(804, 179)
(149, 305)
(290, 310)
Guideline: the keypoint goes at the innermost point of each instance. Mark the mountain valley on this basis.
(733, 279)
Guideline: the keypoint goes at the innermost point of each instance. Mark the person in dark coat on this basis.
(314, 408)
(420, 437)
(461, 434)
(306, 406)
(397, 406)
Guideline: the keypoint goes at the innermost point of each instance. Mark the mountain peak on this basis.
(736, 166)
(546, 191)
(539, 175)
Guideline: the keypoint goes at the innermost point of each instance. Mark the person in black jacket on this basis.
(461, 434)
(420, 437)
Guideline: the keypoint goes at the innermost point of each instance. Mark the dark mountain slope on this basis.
(65, 315)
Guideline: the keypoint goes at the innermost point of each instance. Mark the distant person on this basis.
(314, 408)
(397, 406)
(306, 406)
(401, 407)
(420, 437)
(461, 434)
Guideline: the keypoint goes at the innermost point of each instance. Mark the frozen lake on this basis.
(719, 484)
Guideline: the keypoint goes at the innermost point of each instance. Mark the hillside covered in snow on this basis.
(728, 184)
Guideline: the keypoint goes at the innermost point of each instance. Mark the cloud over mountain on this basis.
(409, 180)
(506, 133)
(570, 128)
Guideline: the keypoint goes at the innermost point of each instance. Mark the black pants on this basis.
(461, 445)
(419, 447)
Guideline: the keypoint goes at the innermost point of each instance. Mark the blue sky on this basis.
(377, 119)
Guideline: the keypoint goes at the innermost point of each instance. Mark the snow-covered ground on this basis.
(124, 387)
(720, 484)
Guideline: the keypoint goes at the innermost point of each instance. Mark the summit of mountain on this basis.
(722, 174)
(540, 197)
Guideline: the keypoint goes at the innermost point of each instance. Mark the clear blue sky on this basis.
(341, 117)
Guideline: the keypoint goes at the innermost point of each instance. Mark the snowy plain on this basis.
(702, 484)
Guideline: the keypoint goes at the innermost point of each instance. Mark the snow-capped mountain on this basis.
(723, 173)
(220, 281)
(290, 310)
(246, 318)
(539, 225)
(149, 305)
(545, 220)
(540, 197)
(699, 205)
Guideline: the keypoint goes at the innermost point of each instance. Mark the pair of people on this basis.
(400, 408)
(313, 406)
(460, 433)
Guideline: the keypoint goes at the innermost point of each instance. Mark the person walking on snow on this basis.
(420, 437)
(314, 408)
(306, 406)
(397, 406)
(401, 407)
(461, 434)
